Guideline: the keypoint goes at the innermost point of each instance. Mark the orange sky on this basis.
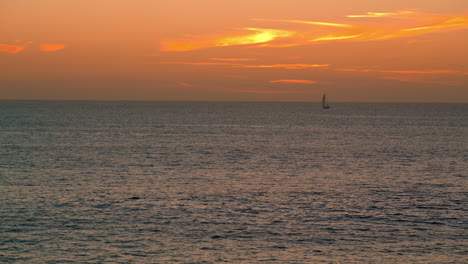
(240, 50)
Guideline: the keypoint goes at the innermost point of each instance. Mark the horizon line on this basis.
(222, 101)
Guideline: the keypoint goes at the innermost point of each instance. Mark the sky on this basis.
(234, 50)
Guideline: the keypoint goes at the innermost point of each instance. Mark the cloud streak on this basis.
(410, 23)
(239, 65)
(230, 59)
(246, 37)
(11, 48)
(451, 72)
(296, 81)
(19, 48)
(286, 66)
(51, 47)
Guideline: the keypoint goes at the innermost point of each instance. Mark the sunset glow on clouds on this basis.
(18, 48)
(284, 66)
(11, 48)
(326, 31)
(407, 71)
(251, 36)
(294, 81)
(51, 47)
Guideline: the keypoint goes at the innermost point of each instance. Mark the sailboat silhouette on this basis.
(324, 102)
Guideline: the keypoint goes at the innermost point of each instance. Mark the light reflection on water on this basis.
(234, 183)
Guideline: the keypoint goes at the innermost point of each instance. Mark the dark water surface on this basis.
(98, 182)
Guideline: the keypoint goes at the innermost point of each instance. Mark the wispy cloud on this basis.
(295, 81)
(248, 36)
(51, 47)
(230, 59)
(202, 63)
(15, 48)
(331, 37)
(286, 66)
(185, 84)
(11, 48)
(18, 48)
(451, 23)
(451, 72)
(240, 65)
(410, 24)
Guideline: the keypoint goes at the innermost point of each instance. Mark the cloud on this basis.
(51, 47)
(185, 84)
(451, 23)
(295, 81)
(231, 59)
(18, 48)
(453, 72)
(14, 48)
(248, 36)
(286, 66)
(410, 24)
(229, 64)
(203, 63)
(11, 48)
(334, 38)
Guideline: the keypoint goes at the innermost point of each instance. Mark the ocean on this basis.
(185, 182)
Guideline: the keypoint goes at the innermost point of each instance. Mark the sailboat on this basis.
(324, 102)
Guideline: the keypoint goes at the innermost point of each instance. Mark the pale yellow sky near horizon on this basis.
(256, 50)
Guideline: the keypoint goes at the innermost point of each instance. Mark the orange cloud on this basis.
(51, 47)
(286, 66)
(428, 72)
(229, 64)
(335, 38)
(11, 48)
(222, 59)
(14, 48)
(327, 31)
(453, 72)
(295, 81)
(451, 23)
(259, 35)
(203, 63)
(185, 84)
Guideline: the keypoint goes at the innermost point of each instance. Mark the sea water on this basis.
(128, 182)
